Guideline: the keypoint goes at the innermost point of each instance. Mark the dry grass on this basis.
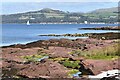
(109, 52)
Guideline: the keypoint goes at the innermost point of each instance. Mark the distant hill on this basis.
(46, 10)
(48, 15)
(104, 14)
(110, 10)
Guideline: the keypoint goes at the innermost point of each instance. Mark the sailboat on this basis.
(28, 22)
(85, 22)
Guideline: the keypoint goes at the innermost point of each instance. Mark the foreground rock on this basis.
(48, 69)
(98, 66)
(83, 44)
(21, 61)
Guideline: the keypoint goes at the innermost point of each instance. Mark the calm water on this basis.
(21, 33)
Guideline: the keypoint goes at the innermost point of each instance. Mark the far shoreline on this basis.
(27, 42)
(61, 23)
(98, 36)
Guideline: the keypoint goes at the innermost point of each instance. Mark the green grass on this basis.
(33, 58)
(66, 62)
(72, 71)
(59, 59)
(109, 52)
(102, 57)
(71, 64)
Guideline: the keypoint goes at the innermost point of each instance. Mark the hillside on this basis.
(111, 10)
(104, 14)
(48, 15)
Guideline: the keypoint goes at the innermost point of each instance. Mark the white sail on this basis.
(85, 22)
(28, 22)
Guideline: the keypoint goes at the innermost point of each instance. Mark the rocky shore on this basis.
(67, 35)
(59, 58)
(103, 36)
(102, 28)
(64, 58)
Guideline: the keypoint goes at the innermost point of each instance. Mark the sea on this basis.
(22, 33)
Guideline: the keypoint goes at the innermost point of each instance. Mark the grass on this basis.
(72, 71)
(71, 64)
(77, 52)
(109, 52)
(66, 62)
(102, 57)
(59, 59)
(34, 58)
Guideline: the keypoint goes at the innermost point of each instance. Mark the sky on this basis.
(59, 0)
(20, 7)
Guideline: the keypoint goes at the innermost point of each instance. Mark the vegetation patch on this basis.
(71, 64)
(34, 58)
(72, 71)
(109, 52)
(67, 62)
(77, 52)
(59, 59)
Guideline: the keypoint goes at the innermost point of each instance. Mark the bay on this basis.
(22, 34)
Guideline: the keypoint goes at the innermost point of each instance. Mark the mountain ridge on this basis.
(113, 9)
(51, 15)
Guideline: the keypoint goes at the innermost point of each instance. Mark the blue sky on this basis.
(19, 7)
